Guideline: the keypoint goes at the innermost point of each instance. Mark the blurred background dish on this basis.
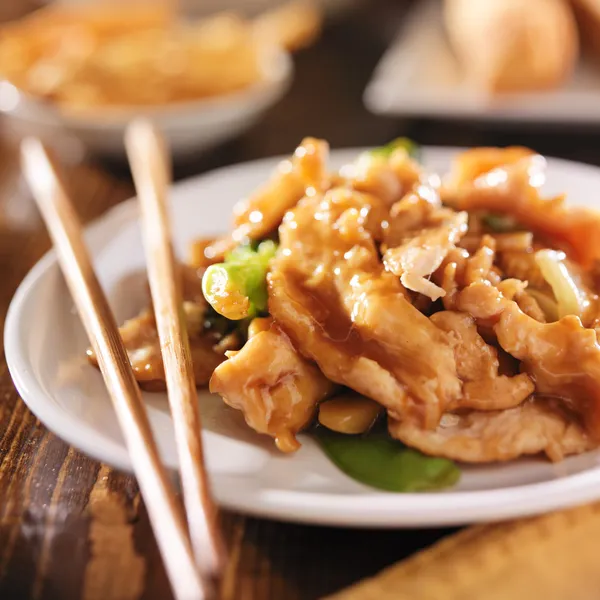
(190, 127)
(498, 60)
(83, 71)
(202, 8)
(520, 46)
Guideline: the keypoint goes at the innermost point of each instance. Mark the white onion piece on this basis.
(555, 272)
(546, 302)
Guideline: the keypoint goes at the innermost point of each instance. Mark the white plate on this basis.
(45, 345)
(419, 76)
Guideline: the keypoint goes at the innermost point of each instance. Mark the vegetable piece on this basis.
(237, 288)
(412, 148)
(259, 325)
(216, 324)
(555, 272)
(349, 413)
(546, 302)
(500, 223)
(381, 462)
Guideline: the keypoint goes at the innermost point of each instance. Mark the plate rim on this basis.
(368, 510)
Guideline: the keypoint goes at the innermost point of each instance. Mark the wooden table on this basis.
(73, 528)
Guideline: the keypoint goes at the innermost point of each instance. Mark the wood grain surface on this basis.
(72, 528)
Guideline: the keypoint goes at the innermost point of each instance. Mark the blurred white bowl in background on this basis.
(202, 8)
(188, 126)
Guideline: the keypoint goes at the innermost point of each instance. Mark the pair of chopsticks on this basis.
(194, 554)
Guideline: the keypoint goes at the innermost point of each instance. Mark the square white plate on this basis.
(419, 76)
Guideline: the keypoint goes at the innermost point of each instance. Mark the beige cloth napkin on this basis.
(553, 557)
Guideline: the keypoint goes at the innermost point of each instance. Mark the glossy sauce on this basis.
(345, 265)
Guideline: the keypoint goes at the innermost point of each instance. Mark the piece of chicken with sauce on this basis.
(329, 291)
(563, 358)
(477, 365)
(207, 344)
(420, 235)
(537, 425)
(259, 215)
(276, 389)
(513, 187)
(387, 177)
(471, 164)
(460, 271)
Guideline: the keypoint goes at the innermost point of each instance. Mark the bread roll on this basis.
(587, 13)
(513, 45)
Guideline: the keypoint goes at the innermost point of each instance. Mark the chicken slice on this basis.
(259, 215)
(142, 344)
(477, 365)
(512, 241)
(419, 209)
(419, 236)
(330, 293)
(207, 344)
(388, 178)
(514, 189)
(290, 302)
(459, 269)
(479, 266)
(533, 427)
(563, 358)
(419, 256)
(472, 163)
(522, 265)
(275, 388)
(515, 289)
(310, 163)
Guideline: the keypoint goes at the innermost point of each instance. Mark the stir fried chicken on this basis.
(423, 245)
(514, 189)
(330, 293)
(275, 388)
(208, 342)
(259, 215)
(478, 436)
(471, 164)
(360, 317)
(477, 365)
(466, 314)
(563, 358)
(388, 178)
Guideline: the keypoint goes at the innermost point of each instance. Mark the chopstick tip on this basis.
(140, 129)
(29, 145)
(148, 152)
(36, 164)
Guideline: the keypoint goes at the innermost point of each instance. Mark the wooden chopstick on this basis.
(148, 158)
(66, 233)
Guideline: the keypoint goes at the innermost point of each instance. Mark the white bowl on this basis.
(202, 8)
(188, 126)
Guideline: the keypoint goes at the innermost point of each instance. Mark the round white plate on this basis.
(45, 345)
